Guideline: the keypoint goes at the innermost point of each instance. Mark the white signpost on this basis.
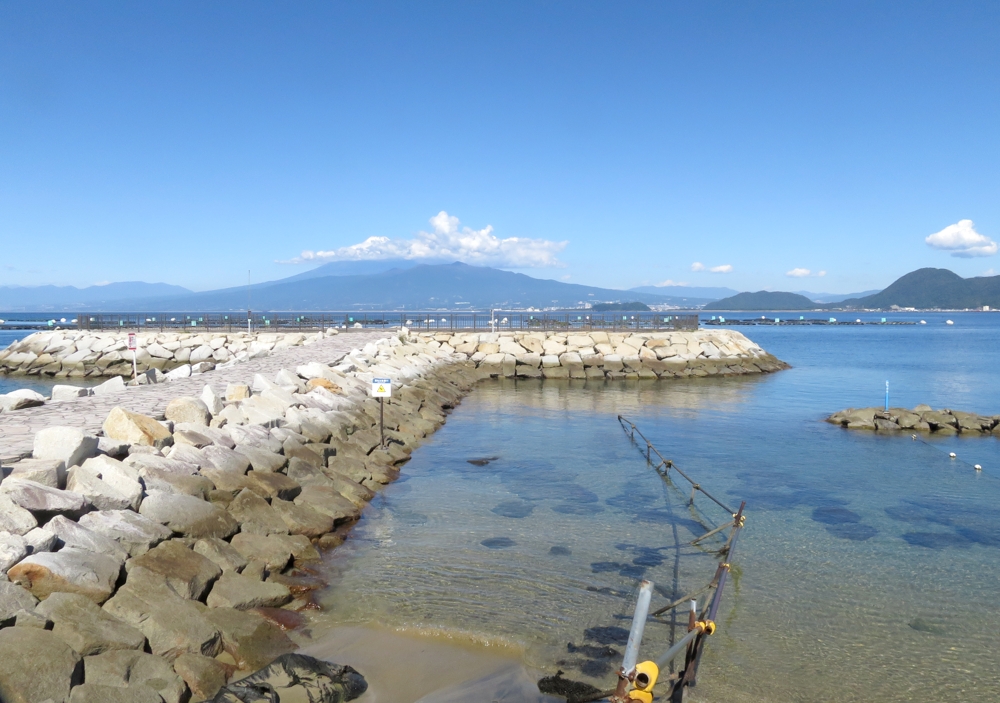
(132, 344)
(381, 388)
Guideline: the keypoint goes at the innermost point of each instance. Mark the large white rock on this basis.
(69, 392)
(73, 534)
(136, 533)
(17, 400)
(188, 409)
(202, 353)
(211, 400)
(12, 550)
(180, 372)
(110, 387)
(14, 518)
(103, 494)
(42, 499)
(69, 445)
(40, 540)
(48, 472)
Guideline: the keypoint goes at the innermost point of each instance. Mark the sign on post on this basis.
(132, 345)
(381, 388)
(131, 341)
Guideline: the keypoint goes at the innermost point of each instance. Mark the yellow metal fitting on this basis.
(706, 626)
(646, 674)
(743, 519)
(642, 696)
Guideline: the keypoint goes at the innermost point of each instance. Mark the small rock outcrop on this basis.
(296, 677)
(920, 419)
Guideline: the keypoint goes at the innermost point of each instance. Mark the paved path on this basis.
(18, 428)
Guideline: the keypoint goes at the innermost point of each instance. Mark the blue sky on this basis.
(616, 144)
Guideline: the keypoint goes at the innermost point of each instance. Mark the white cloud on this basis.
(451, 242)
(668, 282)
(988, 272)
(962, 239)
(804, 273)
(724, 268)
(103, 283)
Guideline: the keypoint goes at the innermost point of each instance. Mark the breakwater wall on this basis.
(598, 354)
(79, 354)
(922, 418)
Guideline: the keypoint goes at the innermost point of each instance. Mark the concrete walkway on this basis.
(18, 428)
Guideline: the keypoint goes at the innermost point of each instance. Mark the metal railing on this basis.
(487, 321)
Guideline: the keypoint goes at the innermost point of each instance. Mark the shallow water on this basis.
(36, 383)
(868, 569)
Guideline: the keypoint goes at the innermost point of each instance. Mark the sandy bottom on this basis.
(408, 667)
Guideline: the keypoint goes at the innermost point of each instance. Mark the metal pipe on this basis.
(638, 626)
(679, 647)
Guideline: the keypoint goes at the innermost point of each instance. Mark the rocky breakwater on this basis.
(65, 354)
(922, 418)
(165, 558)
(599, 355)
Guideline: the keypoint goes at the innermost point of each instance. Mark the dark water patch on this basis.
(923, 625)
(603, 567)
(596, 668)
(483, 461)
(410, 517)
(835, 516)
(648, 560)
(632, 571)
(572, 691)
(498, 543)
(567, 508)
(988, 536)
(559, 551)
(936, 540)
(513, 509)
(628, 501)
(607, 634)
(776, 490)
(856, 532)
(592, 651)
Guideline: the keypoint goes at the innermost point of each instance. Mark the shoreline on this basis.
(280, 468)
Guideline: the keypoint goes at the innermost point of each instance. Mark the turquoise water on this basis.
(868, 569)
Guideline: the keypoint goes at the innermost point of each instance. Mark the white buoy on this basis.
(952, 455)
(858, 320)
(948, 322)
(977, 467)
(923, 322)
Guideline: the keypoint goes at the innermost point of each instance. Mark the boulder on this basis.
(237, 391)
(211, 400)
(203, 675)
(133, 428)
(101, 494)
(261, 459)
(272, 485)
(48, 472)
(252, 641)
(69, 445)
(112, 447)
(99, 693)
(225, 459)
(35, 666)
(134, 533)
(186, 453)
(18, 400)
(234, 590)
(69, 570)
(302, 519)
(255, 515)
(270, 549)
(188, 409)
(14, 518)
(72, 534)
(14, 598)
(179, 484)
(13, 549)
(187, 573)
(142, 461)
(123, 478)
(326, 500)
(217, 435)
(329, 385)
(40, 539)
(112, 386)
(86, 628)
(191, 437)
(42, 500)
(172, 625)
(183, 371)
(188, 516)
(937, 420)
(221, 553)
(128, 669)
(296, 677)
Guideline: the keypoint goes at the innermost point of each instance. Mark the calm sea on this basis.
(868, 569)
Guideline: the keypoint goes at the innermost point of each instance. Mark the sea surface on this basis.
(869, 568)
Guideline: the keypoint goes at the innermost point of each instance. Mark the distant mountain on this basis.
(435, 287)
(353, 268)
(763, 300)
(46, 298)
(834, 297)
(933, 288)
(685, 292)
